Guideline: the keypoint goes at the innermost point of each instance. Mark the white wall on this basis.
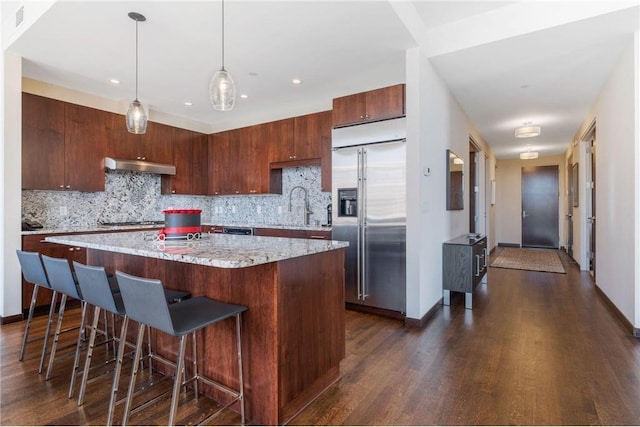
(509, 197)
(435, 123)
(10, 161)
(616, 185)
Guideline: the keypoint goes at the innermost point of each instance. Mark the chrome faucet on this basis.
(307, 211)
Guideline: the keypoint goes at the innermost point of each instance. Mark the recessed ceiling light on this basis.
(253, 73)
(244, 96)
(296, 81)
(114, 81)
(188, 103)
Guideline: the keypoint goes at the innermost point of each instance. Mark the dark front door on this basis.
(540, 206)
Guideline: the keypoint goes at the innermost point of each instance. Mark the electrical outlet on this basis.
(64, 211)
(279, 210)
(259, 210)
(233, 209)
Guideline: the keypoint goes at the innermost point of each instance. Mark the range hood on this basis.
(139, 166)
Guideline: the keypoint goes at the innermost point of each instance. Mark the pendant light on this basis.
(527, 131)
(136, 116)
(222, 90)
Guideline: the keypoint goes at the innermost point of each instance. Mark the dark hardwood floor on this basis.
(537, 349)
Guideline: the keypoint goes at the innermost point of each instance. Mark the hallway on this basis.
(537, 348)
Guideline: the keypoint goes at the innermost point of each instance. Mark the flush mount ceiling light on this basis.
(222, 89)
(527, 131)
(528, 155)
(136, 116)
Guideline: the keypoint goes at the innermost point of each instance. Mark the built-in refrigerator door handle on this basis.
(358, 224)
(363, 204)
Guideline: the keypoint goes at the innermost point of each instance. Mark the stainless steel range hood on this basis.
(139, 166)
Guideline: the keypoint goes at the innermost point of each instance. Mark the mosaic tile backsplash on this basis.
(135, 196)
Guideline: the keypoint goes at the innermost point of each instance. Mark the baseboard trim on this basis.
(616, 311)
(509, 245)
(422, 322)
(10, 319)
(374, 310)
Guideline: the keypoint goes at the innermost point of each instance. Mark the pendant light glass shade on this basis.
(222, 89)
(136, 116)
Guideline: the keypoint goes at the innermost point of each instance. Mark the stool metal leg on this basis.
(241, 385)
(52, 310)
(134, 374)
(87, 362)
(116, 376)
(56, 336)
(178, 380)
(34, 296)
(194, 348)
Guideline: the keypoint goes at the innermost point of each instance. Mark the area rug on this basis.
(529, 259)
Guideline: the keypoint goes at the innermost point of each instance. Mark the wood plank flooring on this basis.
(537, 349)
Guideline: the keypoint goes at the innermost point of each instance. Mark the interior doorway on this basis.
(540, 194)
(474, 187)
(572, 179)
(590, 178)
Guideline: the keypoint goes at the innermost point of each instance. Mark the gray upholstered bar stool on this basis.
(34, 272)
(62, 279)
(94, 284)
(145, 303)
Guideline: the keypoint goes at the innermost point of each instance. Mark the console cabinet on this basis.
(464, 264)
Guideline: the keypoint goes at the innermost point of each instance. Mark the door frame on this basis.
(587, 194)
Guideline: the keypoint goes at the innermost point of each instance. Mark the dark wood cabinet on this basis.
(85, 138)
(292, 233)
(153, 146)
(191, 159)
(464, 264)
(36, 243)
(279, 137)
(239, 162)
(42, 143)
(63, 145)
(378, 104)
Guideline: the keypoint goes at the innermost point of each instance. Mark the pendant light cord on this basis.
(136, 59)
(223, 34)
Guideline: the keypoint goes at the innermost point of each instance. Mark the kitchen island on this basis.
(293, 330)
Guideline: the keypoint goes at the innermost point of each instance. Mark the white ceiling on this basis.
(547, 69)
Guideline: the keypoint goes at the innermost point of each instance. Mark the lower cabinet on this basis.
(464, 264)
(299, 234)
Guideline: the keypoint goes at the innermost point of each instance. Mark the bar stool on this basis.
(62, 280)
(97, 290)
(94, 284)
(145, 303)
(33, 272)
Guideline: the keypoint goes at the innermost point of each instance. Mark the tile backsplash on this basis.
(135, 196)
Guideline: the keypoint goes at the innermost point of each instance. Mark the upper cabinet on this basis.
(63, 145)
(153, 146)
(379, 104)
(190, 157)
(299, 139)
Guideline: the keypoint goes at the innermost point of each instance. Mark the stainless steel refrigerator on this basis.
(369, 211)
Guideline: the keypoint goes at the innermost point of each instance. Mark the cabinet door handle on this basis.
(477, 265)
(67, 187)
(317, 237)
(61, 186)
(486, 255)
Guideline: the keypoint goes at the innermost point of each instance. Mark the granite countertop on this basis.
(215, 250)
(106, 229)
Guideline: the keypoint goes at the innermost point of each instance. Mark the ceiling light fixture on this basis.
(222, 89)
(296, 81)
(528, 155)
(527, 131)
(136, 116)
